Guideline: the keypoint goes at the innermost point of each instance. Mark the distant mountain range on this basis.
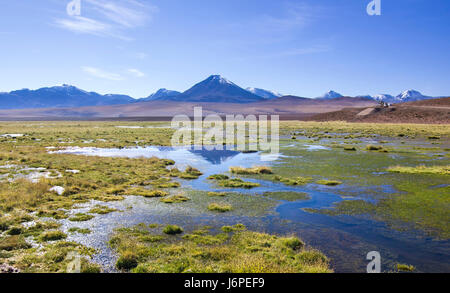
(58, 96)
(213, 89)
(406, 96)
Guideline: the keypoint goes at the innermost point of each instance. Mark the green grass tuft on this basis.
(222, 208)
(349, 148)
(372, 147)
(173, 230)
(52, 236)
(405, 268)
(15, 231)
(218, 177)
(329, 182)
(80, 217)
(218, 194)
(293, 181)
(80, 230)
(102, 210)
(434, 137)
(179, 198)
(128, 260)
(146, 193)
(292, 243)
(439, 170)
(251, 171)
(13, 243)
(237, 183)
(235, 228)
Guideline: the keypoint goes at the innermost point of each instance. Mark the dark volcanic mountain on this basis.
(58, 97)
(218, 90)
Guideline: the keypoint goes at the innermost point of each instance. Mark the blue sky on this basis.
(303, 48)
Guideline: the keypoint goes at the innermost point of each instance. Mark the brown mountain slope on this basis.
(440, 102)
(426, 111)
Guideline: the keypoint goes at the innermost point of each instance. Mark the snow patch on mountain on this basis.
(161, 94)
(220, 79)
(406, 96)
(217, 89)
(266, 94)
(384, 98)
(330, 95)
(410, 95)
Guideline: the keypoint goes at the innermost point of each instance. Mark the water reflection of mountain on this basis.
(215, 157)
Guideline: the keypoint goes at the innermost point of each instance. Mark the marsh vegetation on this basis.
(390, 179)
(233, 250)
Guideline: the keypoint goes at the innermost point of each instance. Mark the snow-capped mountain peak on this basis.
(161, 94)
(165, 91)
(69, 88)
(410, 94)
(406, 96)
(266, 94)
(220, 79)
(330, 95)
(217, 89)
(384, 98)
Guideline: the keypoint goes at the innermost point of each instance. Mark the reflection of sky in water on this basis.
(209, 162)
(206, 161)
(364, 232)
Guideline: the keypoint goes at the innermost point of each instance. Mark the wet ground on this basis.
(346, 240)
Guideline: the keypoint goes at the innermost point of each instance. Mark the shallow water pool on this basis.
(345, 239)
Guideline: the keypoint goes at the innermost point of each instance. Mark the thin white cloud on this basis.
(108, 18)
(290, 18)
(79, 24)
(124, 13)
(284, 28)
(99, 73)
(136, 72)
